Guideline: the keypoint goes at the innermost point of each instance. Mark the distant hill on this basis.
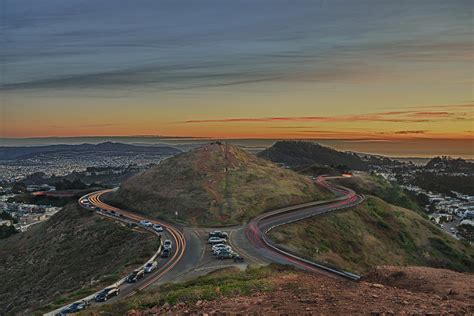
(375, 233)
(109, 147)
(67, 257)
(299, 153)
(450, 165)
(216, 184)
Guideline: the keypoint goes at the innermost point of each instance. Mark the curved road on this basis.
(177, 237)
(253, 237)
(257, 229)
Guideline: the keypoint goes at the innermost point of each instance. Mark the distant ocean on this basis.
(416, 148)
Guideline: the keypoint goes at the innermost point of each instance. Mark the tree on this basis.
(19, 187)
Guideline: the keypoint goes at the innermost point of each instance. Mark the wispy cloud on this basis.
(410, 132)
(392, 116)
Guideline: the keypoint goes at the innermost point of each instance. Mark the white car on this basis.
(157, 228)
(216, 240)
(168, 244)
(218, 246)
(217, 250)
(145, 223)
(150, 266)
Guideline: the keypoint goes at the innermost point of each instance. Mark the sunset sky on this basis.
(371, 70)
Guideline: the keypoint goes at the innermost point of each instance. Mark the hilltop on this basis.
(302, 153)
(375, 233)
(67, 257)
(216, 184)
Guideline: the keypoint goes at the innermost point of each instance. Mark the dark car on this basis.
(165, 253)
(73, 308)
(224, 254)
(219, 234)
(107, 293)
(238, 259)
(135, 276)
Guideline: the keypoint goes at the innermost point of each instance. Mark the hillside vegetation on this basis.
(217, 184)
(281, 290)
(66, 258)
(364, 183)
(303, 153)
(375, 233)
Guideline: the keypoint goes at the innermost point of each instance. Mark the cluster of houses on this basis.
(26, 215)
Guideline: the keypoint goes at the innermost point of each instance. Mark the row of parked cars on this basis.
(219, 248)
(133, 277)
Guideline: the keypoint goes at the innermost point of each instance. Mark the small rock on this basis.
(307, 309)
(452, 292)
(166, 305)
(259, 301)
(198, 303)
(405, 302)
(375, 296)
(377, 285)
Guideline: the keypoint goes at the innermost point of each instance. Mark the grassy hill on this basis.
(215, 184)
(302, 153)
(375, 233)
(364, 183)
(65, 258)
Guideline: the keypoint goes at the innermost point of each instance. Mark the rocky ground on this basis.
(384, 291)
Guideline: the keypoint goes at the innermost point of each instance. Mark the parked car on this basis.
(168, 244)
(107, 293)
(218, 233)
(135, 276)
(73, 308)
(165, 253)
(131, 225)
(225, 255)
(217, 246)
(150, 266)
(226, 248)
(216, 240)
(157, 228)
(145, 223)
(238, 259)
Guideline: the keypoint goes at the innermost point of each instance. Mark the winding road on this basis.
(250, 240)
(257, 230)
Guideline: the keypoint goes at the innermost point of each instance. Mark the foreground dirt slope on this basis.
(299, 293)
(216, 184)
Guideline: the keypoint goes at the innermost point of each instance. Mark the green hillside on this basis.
(375, 233)
(217, 184)
(364, 183)
(67, 257)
